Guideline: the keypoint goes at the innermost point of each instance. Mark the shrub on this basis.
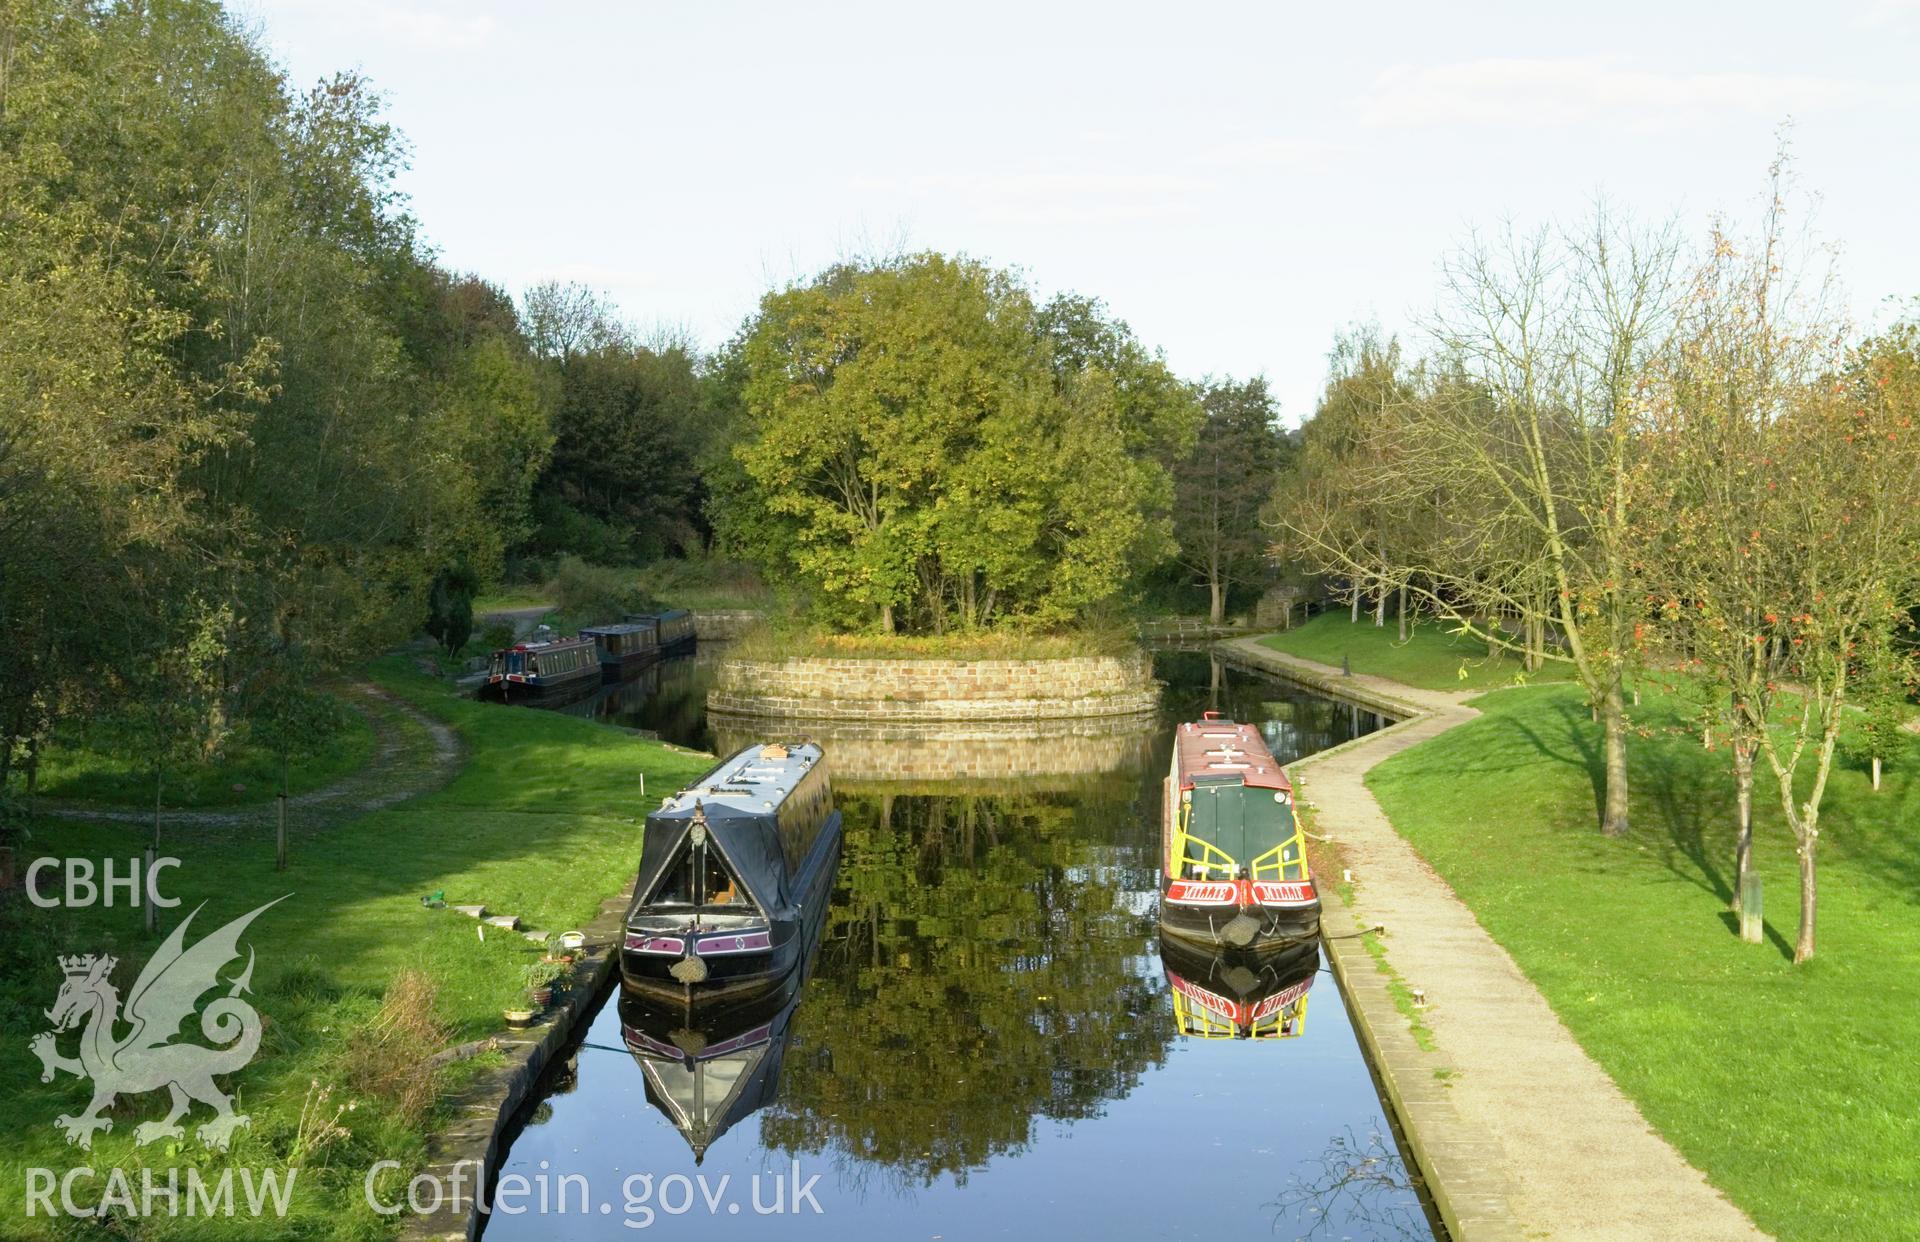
(497, 635)
(586, 590)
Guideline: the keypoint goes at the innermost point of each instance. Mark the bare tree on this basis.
(1511, 473)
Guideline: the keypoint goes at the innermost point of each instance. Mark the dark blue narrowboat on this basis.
(735, 874)
(673, 629)
(710, 1070)
(624, 648)
(543, 670)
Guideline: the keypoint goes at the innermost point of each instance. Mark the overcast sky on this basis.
(1236, 181)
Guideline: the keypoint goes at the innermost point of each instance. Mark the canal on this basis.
(990, 1044)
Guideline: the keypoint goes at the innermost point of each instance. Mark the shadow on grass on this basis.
(1774, 936)
(1676, 810)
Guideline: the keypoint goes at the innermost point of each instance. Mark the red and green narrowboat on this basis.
(1233, 859)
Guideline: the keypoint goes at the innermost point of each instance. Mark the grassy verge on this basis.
(543, 822)
(1793, 1089)
(98, 763)
(1431, 658)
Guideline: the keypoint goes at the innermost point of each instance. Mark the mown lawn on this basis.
(99, 762)
(543, 822)
(1431, 658)
(1794, 1089)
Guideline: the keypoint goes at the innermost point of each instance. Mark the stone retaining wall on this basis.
(920, 690)
(1181, 629)
(1048, 752)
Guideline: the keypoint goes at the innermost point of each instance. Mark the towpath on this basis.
(1523, 1133)
(413, 754)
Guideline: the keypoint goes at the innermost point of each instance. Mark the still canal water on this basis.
(988, 1045)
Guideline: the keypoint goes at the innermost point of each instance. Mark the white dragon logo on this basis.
(165, 995)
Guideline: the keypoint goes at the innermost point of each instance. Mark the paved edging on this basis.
(1462, 1176)
(469, 1149)
(1528, 1136)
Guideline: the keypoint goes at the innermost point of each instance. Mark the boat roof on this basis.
(543, 644)
(1223, 752)
(622, 627)
(758, 778)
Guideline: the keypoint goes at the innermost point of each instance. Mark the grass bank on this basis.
(98, 761)
(1431, 658)
(1793, 1089)
(543, 822)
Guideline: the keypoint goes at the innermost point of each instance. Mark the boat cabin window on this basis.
(711, 884)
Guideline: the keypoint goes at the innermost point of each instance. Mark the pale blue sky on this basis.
(1237, 181)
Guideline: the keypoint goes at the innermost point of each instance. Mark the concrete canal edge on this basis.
(1459, 1169)
(466, 1152)
(1517, 1131)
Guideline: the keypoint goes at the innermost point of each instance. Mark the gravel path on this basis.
(408, 760)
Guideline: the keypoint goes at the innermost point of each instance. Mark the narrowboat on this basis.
(735, 874)
(709, 1070)
(673, 629)
(1232, 994)
(544, 668)
(1233, 859)
(624, 648)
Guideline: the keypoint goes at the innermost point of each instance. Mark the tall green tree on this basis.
(923, 449)
(1221, 486)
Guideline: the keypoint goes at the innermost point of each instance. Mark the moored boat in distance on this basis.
(673, 629)
(542, 668)
(735, 875)
(624, 648)
(1233, 859)
(1234, 994)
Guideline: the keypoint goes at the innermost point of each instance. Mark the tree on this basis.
(629, 430)
(1708, 485)
(450, 607)
(920, 451)
(565, 319)
(1345, 445)
(1883, 689)
(287, 714)
(1221, 486)
(1534, 444)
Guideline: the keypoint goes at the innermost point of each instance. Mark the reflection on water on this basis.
(1232, 994)
(708, 1073)
(1358, 1187)
(667, 699)
(990, 1043)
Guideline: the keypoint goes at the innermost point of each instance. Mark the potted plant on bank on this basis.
(542, 977)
